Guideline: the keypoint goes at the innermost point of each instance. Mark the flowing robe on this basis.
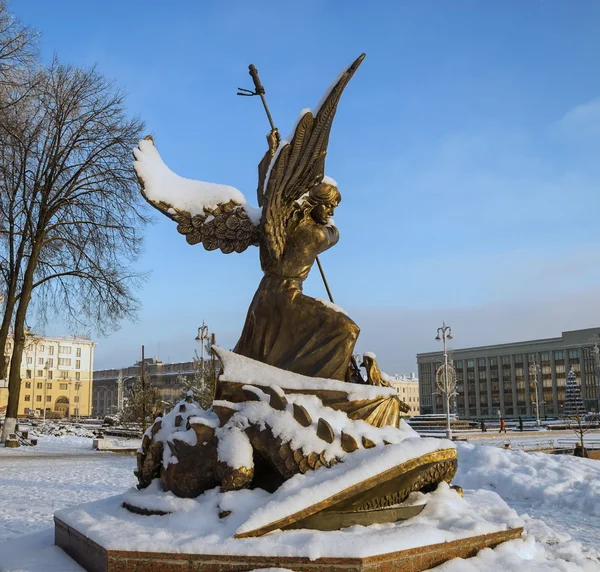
(287, 329)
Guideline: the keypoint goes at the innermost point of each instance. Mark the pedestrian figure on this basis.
(520, 423)
(483, 429)
(502, 426)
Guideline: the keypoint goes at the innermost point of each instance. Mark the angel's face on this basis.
(323, 212)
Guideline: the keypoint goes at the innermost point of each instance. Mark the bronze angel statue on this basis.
(292, 226)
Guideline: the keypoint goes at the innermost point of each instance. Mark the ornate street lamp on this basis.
(446, 375)
(202, 337)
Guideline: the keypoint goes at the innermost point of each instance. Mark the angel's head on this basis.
(325, 198)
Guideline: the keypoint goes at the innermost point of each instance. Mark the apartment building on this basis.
(56, 377)
(408, 390)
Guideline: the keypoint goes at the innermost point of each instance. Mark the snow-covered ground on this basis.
(556, 496)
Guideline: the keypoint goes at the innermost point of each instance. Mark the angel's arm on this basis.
(332, 235)
(273, 140)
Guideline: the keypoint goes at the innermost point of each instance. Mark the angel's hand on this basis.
(273, 139)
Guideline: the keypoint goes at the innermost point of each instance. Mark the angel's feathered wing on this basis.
(218, 216)
(299, 164)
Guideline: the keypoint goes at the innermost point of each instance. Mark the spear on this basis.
(260, 90)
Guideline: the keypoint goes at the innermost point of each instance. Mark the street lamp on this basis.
(534, 370)
(202, 337)
(596, 354)
(45, 388)
(447, 383)
(77, 387)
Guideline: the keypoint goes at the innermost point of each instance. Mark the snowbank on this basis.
(567, 483)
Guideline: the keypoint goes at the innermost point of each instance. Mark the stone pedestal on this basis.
(95, 558)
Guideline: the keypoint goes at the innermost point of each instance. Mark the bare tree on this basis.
(580, 424)
(18, 54)
(71, 206)
(18, 61)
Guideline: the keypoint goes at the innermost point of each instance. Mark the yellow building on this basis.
(56, 376)
(408, 391)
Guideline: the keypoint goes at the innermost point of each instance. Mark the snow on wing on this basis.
(216, 215)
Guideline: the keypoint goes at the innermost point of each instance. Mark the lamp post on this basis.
(45, 388)
(448, 387)
(202, 337)
(77, 387)
(596, 354)
(534, 369)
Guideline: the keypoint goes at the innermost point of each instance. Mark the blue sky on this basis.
(465, 149)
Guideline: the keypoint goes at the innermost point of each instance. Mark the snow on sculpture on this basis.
(291, 414)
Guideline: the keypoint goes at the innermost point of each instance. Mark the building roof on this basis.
(577, 336)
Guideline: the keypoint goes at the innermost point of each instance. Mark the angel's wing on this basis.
(299, 163)
(218, 216)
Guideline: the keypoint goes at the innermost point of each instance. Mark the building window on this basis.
(64, 374)
(505, 360)
(64, 349)
(40, 347)
(50, 362)
(49, 375)
(470, 363)
(76, 398)
(63, 386)
(518, 358)
(28, 398)
(29, 360)
(41, 361)
(493, 362)
(28, 384)
(39, 385)
(51, 350)
(545, 356)
(64, 361)
(77, 375)
(481, 363)
(78, 352)
(573, 354)
(77, 364)
(49, 385)
(38, 397)
(559, 355)
(28, 373)
(48, 398)
(40, 373)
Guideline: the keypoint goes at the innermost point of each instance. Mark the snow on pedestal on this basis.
(197, 529)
